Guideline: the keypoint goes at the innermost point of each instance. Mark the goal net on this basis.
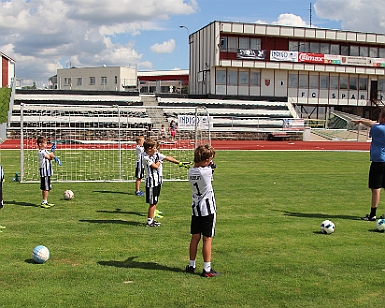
(97, 143)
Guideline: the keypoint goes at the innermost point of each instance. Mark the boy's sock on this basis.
(149, 220)
(373, 211)
(44, 201)
(207, 266)
(192, 263)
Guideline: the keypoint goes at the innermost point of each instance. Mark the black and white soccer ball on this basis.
(327, 227)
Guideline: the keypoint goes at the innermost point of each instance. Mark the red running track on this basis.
(263, 145)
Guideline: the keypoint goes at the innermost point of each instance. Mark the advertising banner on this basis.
(307, 57)
(357, 61)
(251, 54)
(188, 122)
(294, 124)
(288, 56)
(378, 62)
(332, 59)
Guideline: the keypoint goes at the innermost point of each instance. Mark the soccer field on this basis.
(267, 245)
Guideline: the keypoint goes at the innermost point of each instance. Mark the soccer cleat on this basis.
(45, 205)
(158, 214)
(211, 273)
(139, 193)
(153, 224)
(368, 218)
(190, 269)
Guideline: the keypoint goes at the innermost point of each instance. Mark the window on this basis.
(343, 83)
(363, 83)
(243, 78)
(304, 47)
(313, 81)
(293, 80)
(293, 45)
(325, 48)
(255, 79)
(324, 82)
(221, 76)
(344, 50)
(334, 49)
(333, 82)
(223, 43)
(232, 44)
(381, 85)
(104, 80)
(255, 43)
(67, 81)
(354, 51)
(314, 47)
(79, 81)
(381, 52)
(92, 80)
(244, 43)
(232, 78)
(303, 80)
(116, 80)
(373, 52)
(364, 51)
(353, 83)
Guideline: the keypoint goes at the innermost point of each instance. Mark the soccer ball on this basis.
(327, 227)
(40, 254)
(380, 225)
(68, 195)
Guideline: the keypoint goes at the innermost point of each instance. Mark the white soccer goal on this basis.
(97, 143)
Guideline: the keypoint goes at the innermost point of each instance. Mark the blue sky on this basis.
(44, 35)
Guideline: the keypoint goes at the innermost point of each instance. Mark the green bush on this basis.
(5, 94)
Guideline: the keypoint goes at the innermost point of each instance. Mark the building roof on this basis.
(163, 73)
(7, 57)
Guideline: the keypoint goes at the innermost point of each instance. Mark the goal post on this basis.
(97, 143)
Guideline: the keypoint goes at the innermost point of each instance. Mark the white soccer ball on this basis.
(68, 194)
(327, 227)
(380, 224)
(40, 254)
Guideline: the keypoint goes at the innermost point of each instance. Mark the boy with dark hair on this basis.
(139, 168)
(152, 160)
(45, 170)
(203, 217)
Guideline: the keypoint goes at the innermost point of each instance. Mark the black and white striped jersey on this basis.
(203, 199)
(139, 150)
(45, 164)
(153, 176)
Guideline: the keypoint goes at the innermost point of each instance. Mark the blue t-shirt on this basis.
(377, 147)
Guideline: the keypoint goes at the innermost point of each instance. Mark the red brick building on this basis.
(7, 68)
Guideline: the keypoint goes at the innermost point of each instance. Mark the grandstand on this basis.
(231, 119)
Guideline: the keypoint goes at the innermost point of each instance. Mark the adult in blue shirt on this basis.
(377, 158)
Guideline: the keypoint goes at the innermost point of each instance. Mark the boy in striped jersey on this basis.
(139, 168)
(45, 170)
(203, 208)
(152, 161)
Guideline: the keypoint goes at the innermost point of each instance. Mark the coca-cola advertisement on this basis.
(311, 57)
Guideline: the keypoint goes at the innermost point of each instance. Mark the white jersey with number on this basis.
(153, 176)
(139, 150)
(203, 199)
(45, 164)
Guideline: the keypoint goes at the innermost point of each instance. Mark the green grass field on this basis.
(268, 245)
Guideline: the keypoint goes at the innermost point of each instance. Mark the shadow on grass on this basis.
(112, 192)
(119, 211)
(130, 263)
(320, 215)
(113, 221)
(21, 203)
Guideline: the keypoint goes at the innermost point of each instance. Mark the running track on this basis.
(263, 145)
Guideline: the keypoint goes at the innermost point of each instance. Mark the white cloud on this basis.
(356, 15)
(290, 20)
(40, 35)
(165, 47)
(145, 65)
